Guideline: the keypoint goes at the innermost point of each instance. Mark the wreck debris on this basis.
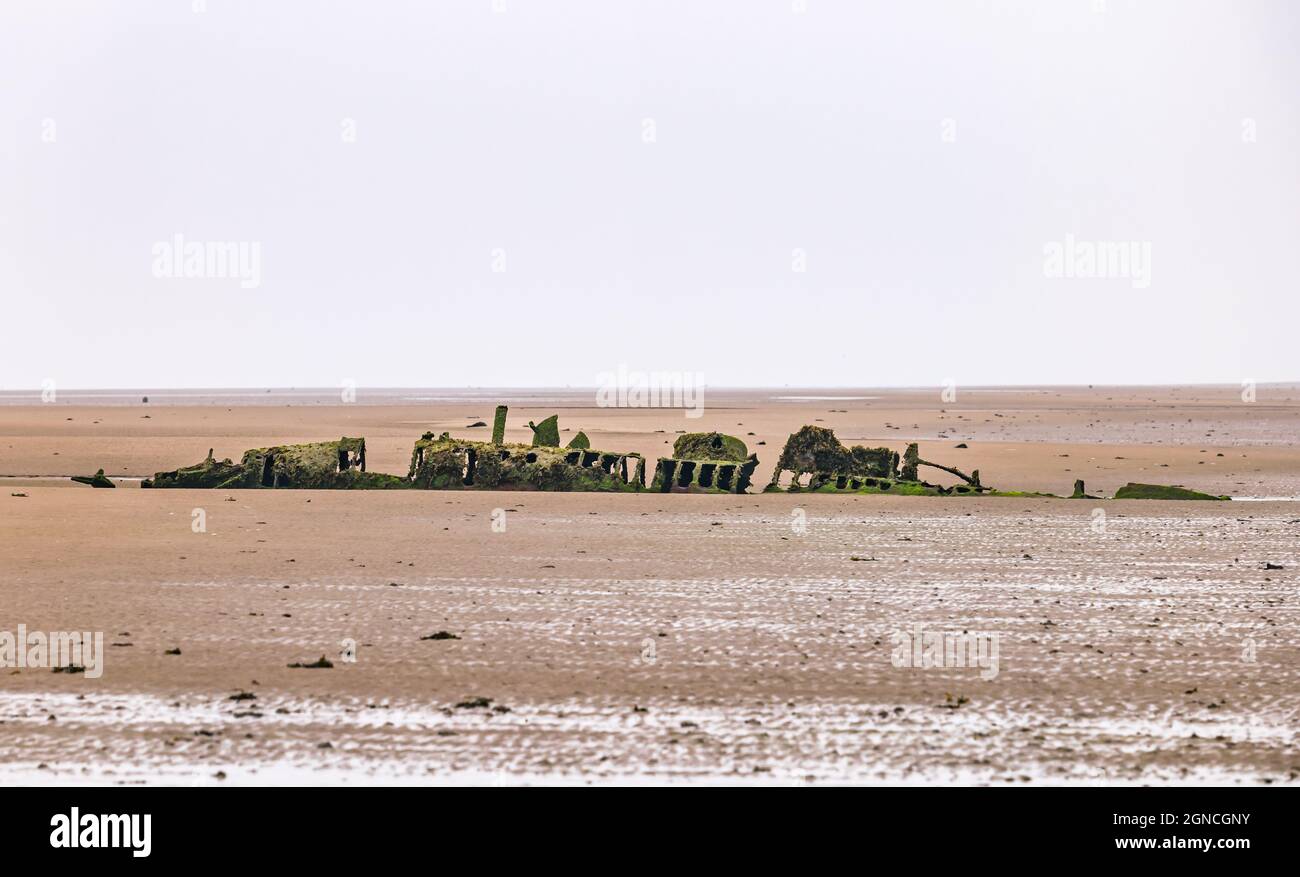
(547, 433)
(323, 664)
(911, 459)
(1080, 492)
(321, 465)
(445, 463)
(1161, 491)
(815, 453)
(209, 473)
(96, 480)
(499, 425)
(709, 462)
(972, 479)
(812, 459)
(311, 465)
(709, 446)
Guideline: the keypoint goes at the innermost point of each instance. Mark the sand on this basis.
(649, 638)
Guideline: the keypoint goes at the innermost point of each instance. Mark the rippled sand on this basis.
(650, 639)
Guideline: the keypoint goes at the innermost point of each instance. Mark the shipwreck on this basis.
(813, 459)
(319, 465)
(705, 462)
(816, 460)
(446, 463)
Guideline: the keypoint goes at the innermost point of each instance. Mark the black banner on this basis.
(330, 826)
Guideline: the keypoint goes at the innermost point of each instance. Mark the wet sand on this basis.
(649, 638)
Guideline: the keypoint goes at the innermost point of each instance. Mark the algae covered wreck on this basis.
(437, 463)
(813, 459)
(319, 465)
(816, 460)
(705, 462)
(446, 463)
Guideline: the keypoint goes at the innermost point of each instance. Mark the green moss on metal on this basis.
(450, 464)
(319, 465)
(911, 459)
(499, 425)
(709, 446)
(830, 467)
(99, 479)
(815, 450)
(673, 475)
(547, 433)
(580, 441)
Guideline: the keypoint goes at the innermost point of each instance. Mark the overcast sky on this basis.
(530, 192)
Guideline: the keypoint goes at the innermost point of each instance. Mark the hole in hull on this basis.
(706, 474)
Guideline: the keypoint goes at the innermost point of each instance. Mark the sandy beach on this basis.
(657, 639)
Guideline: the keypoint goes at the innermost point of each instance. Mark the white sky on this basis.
(523, 131)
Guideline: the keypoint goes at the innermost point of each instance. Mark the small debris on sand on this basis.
(442, 634)
(96, 480)
(322, 664)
